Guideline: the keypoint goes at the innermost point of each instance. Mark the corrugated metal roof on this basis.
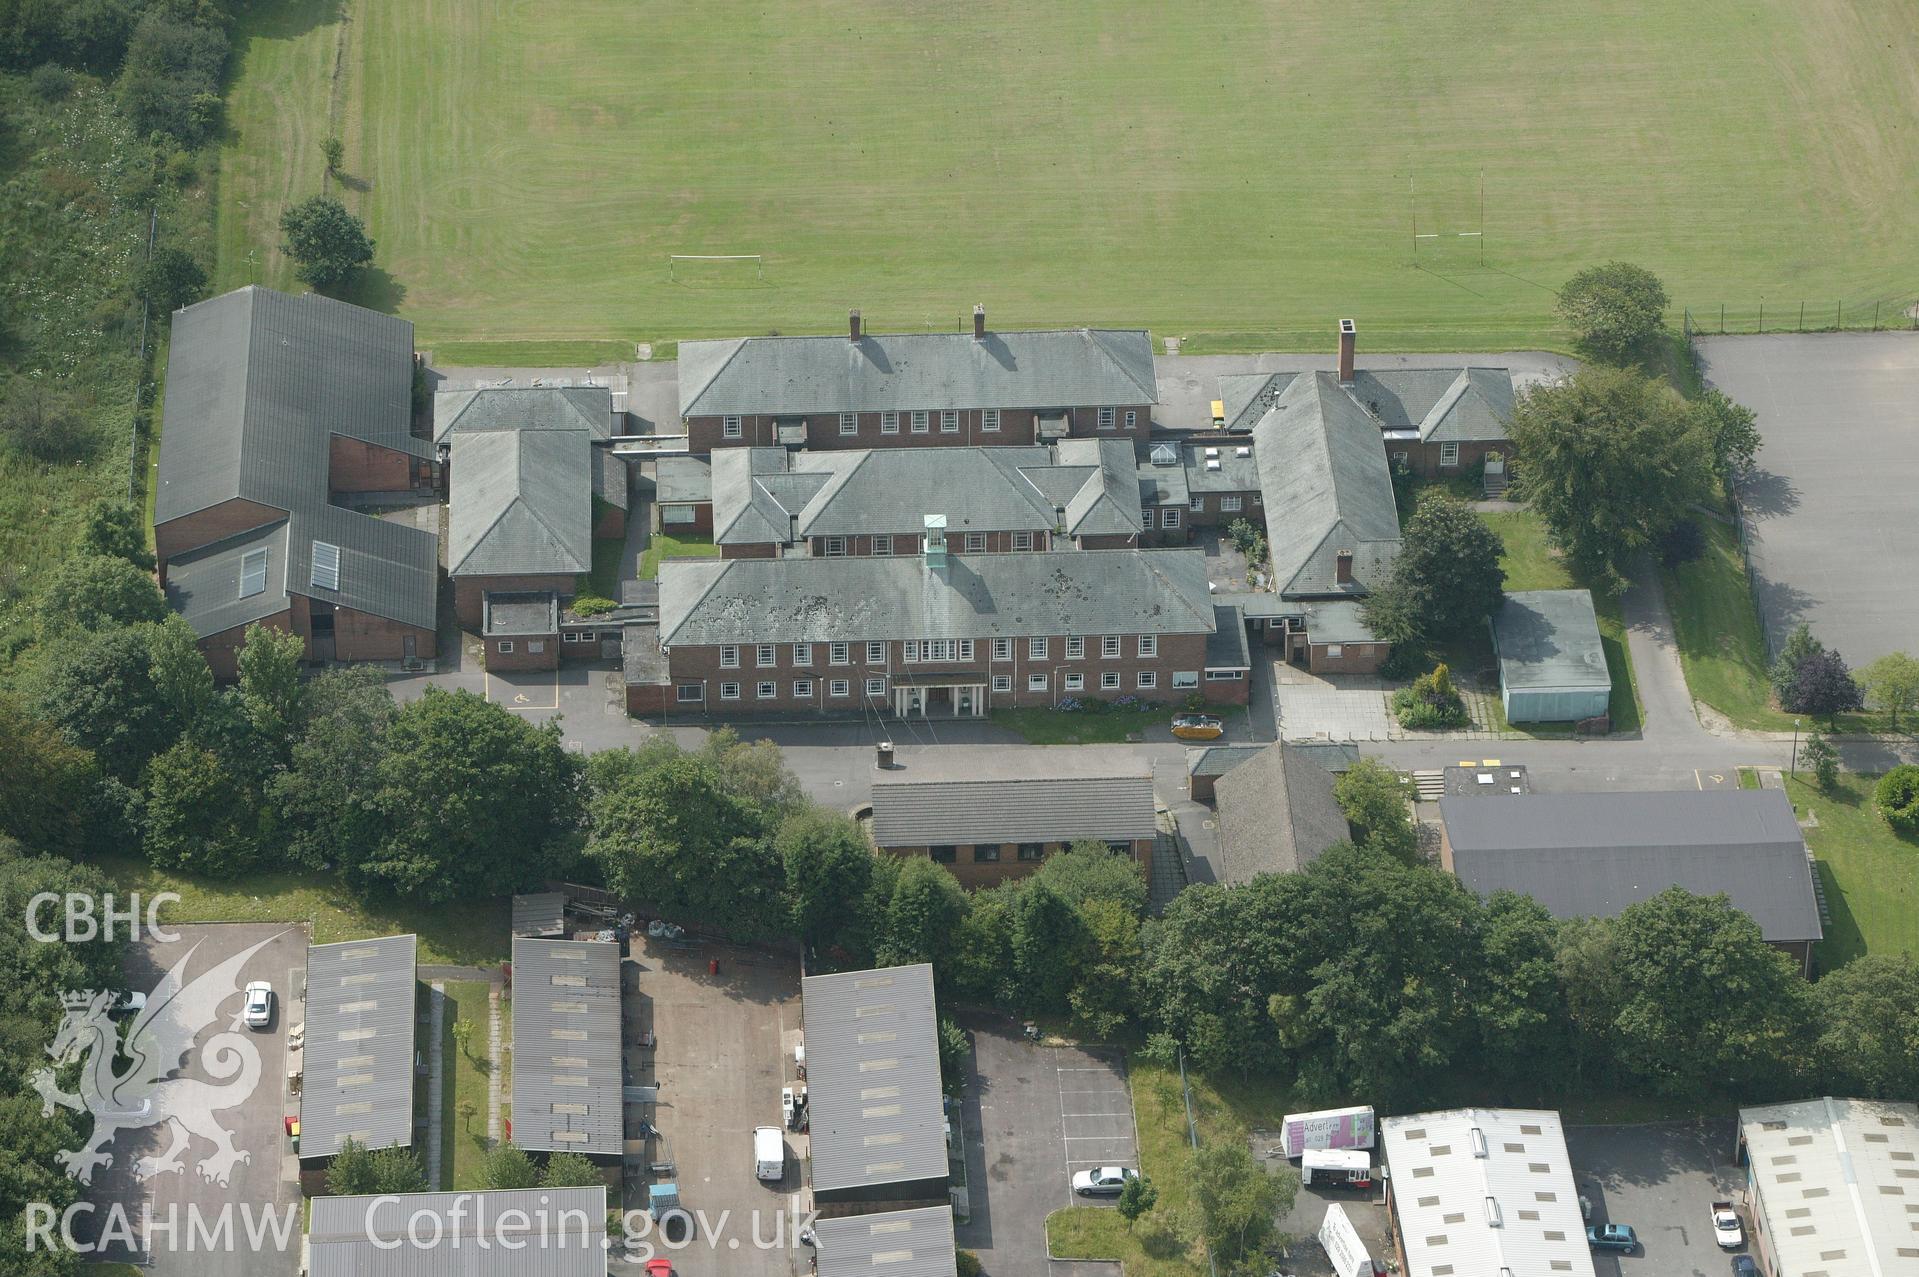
(358, 1081)
(1277, 814)
(540, 914)
(1591, 855)
(1083, 592)
(900, 1243)
(1483, 1192)
(1549, 639)
(1062, 368)
(566, 1046)
(510, 408)
(1835, 1184)
(873, 1078)
(1039, 808)
(521, 503)
(557, 1232)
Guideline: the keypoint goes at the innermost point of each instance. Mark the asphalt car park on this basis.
(188, 1180)
(1662, 1180)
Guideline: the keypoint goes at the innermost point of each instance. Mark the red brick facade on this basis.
(989, 864)
(353, 465)
(966, 427)
(1429, 460)
(1212, 509)
(523, 652)
(215, 523)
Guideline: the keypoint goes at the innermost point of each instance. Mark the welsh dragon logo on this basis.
(147, 1093)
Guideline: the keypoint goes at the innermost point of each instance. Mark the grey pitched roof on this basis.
(1436, 404)
(258, 383)
(900, 1243)
(588, 408)
(1217, 760)
(708, 601)
(553, 1232)
(1549, 639)
(521, 503)
(868, 1032)
(1039, 808)
(1591, 855)
(905, 371)
(204, 585)
(1323, 476)
(566, 1046)
(1106, 503)
(359, 1045)
(609, 477)
(1277, 813)
(685, 480)
(1226, 649)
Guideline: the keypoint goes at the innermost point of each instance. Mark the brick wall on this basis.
(353, 465)
(215, 523)
(989, 864)
(1215, 515)
(757, 550)
(469, 592)
(1016, 426)
(701, 523)
(1424, 458)
(609, 521)
(361, 636)
(521, 652)
(1353, 658)
(1227, 691)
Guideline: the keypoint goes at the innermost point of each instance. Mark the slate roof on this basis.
(1038, 808)
(610, 477)
(873, 1078)
(1548, 640)
(1438, 405)
(708, 601)
(258, 383)
(1326, 488)
(1834, 1181)
(566, 1046)
(552, 1232)
(900, 1243)
(521, 503)
(1593, 854)
(358, 1084)
(1062, 368)
(1277, 814)
(588, 408)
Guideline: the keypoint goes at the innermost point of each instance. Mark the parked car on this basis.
(258, 1011)
(1619, 1237)
(1198, 727)
(1743, 1266)
(1725, 1227)
(1106, 1181)
(769, 1154)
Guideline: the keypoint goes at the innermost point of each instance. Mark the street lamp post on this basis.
(1792, 767)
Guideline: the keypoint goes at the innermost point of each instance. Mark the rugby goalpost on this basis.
(1467, 239)
(690, 262)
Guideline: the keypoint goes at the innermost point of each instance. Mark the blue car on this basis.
(1619, 1237)
(1743, 1266)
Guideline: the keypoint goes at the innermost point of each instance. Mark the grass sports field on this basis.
(1239, 174)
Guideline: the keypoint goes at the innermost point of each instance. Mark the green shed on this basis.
(1552, 668)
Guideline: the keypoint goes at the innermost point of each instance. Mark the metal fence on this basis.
(1802, 316)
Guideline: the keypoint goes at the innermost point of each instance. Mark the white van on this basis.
(769, 1153)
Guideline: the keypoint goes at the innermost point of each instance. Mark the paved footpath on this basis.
(497, 1061)
(436, 1082)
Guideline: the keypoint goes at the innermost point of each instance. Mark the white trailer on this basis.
(1336, 1167)
(1343, 1247)
(1328, 1128)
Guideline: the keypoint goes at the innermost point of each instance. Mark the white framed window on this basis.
(837, 654)
(1109, 646)
(689, 693)
(1169, 517)
(920, 420)
(1002, 649)
(939, 649)
(763, 656)
(1036, 648)
(1109, 680)
(1022, 540)
(1149, 645)
(976, 543)
(1198, 504)
(506, 647)
(835, 547)
(883, 545)
(569, 637)
(1075, 682)
(1224, 676)
(802, 653)
(729, 691)
(768, 690)
(876, 687)
(1075, 648)
(966, 649)
(839, 687)
(729, 656)
(1132, 418)
(849, 423)
(1333, 651)
(989, 421)
(1185, 678)
(730, 427)
(875, 653)
(1449, 454)
(1149, 678)
(889, 423)
(1105, 418)
(1229, 505)
(803, 688)
(949, 422)
(910, 652)
(1036, 682)
(1002, 682)
(1146, 518)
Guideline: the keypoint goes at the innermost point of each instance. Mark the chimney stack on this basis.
(1348, 340)
(853, 326)
(1343, 567)
(979, 322)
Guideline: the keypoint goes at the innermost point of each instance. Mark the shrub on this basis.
(170, 80)
(1825, 686)
(50, 82)
(45, 423)
(966, 1264)
(1431, 703)
(1682, 543)
(591, 605)
(1897, 798)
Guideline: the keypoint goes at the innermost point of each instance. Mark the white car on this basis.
(1106, 1181)
(258, 1011)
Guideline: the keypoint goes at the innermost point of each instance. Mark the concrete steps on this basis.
(1430, 784)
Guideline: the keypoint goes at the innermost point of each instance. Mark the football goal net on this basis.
(716, 270)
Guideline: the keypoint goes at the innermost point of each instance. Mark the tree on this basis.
(508, 1166)
(1376, 802)
(1089, 870)
(1869, 1010)
(181, 675)
(45, 423)
(328, 794)
(923, 917)
(1822, 758)
(1586, 961)
(1896, 797)
(1891, 683)
(327, 243)
(357, 1171)
(333, 151)
(1447, 579)
(1237, 1201)
(94, 592)
(46, 782)
(954, 1050)
(1136, 1198)
(1733, 429)
(1103, 998)
(114, 529)
(1615, 309)
(463, 1036)
(170, 78)
(1609, 460)
(1048, 947)
(1518, 1005)
(570, 1170)
(467, 1110)
(827, 864)
(171, 279)
(1799, 647)
(269, 667)
(1824, 686)
(200, 818)
(98, 689)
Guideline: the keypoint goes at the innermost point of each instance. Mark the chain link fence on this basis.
(1803, 316)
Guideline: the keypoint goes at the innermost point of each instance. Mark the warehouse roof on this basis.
(552, 1232)
(1591, 855)
(1835, 1184)
(566, 1046)
(709, 601)
(900, 1243)
(1060, 368)
(1548, 640)
(1039, 808)
(1277, 814)
(513, 408)
(521, 503)
(873, 1078)
(1481, 1192)
(540, 914)
(358, 1081)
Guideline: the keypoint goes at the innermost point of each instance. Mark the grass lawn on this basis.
(464, 1144)
(1041, 725)
(532, 354)
(1532, 564)
(1871, 874)
(526, 169)
(664, 545)
(473, 934)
